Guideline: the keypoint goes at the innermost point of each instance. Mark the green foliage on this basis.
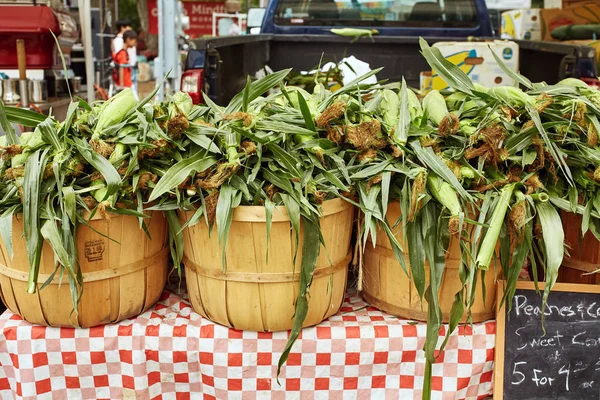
(489, 169)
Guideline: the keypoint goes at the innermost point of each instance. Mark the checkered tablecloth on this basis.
(171, 352)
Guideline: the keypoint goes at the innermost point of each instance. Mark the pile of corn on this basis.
(488, 166)
(103, 158)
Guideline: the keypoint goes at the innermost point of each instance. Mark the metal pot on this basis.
(76, 84)
(10, 91)
(38, 91)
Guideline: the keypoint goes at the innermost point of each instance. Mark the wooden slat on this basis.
(103, 272)
(386, 285)
(268, 289)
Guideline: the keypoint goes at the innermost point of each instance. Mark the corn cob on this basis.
(488, 245)
(414, 106)
(354, 32)
(390, 109)
(114, 112)
(435, 107)
(445, 194)
(511, 95)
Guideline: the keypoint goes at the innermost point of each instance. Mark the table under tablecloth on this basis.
(171, 352)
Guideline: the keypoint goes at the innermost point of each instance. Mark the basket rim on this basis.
(280, 214)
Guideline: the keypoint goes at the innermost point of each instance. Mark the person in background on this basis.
(123, 73)
(122, 26)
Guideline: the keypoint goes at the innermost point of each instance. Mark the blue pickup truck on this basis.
(297, 34)
(432, 18)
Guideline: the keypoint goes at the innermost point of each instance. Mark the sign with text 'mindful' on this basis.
(200, 13)
(563, 362)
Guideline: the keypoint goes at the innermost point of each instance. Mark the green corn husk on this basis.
(354, 32)
(444, 193)
(390, 109)
(32, 140)
(480, 88)
(114, 111)
(183, 102)
(284, 157)
(435, 107)
(414, 106)
(118, 155)
(19, 159)
(573, 82)
(488, 245)
(511, 95)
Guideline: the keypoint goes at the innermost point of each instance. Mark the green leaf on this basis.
(64, 63)
(52, 235)
(195, 133)
(70, 202)
(11, 137)
(456, 313)
(585, 221)
(310, 254)
(488, 244)
(573, 198)
(416, 254)
(556, 153)
(284, 158)
(437, 165)
(102, 165)
(386, 181)
(519, 256)
(371, 170)
(6, 225)
(212, 105)
(22, 116)
(308, 119)
(179, 172)
(449, 72)
(331, 178)
(517, 77)
(50, 134)
(404, 120)
(293, 209)
(283, 127)
(350, 87)
(71, 112)
(175, 237)
(436, 244)
(554, 242)
(246, 95)
(224, 215)
(256, 89)
(34, 169)
(149, 97)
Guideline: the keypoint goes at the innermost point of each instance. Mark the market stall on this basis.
(437, 200)
(172, 351)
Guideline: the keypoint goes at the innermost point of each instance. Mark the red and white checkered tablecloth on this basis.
(171, 352)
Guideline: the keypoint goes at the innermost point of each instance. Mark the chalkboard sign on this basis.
(562, 364)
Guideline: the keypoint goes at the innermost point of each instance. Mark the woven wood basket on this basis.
(253, 294)
(386, 286)
(120, 280)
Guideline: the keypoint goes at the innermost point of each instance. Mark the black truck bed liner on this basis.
(231, 59)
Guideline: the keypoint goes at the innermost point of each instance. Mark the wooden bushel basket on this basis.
(584, 252)
(386, 286)
(120, 280)
(253, 294)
